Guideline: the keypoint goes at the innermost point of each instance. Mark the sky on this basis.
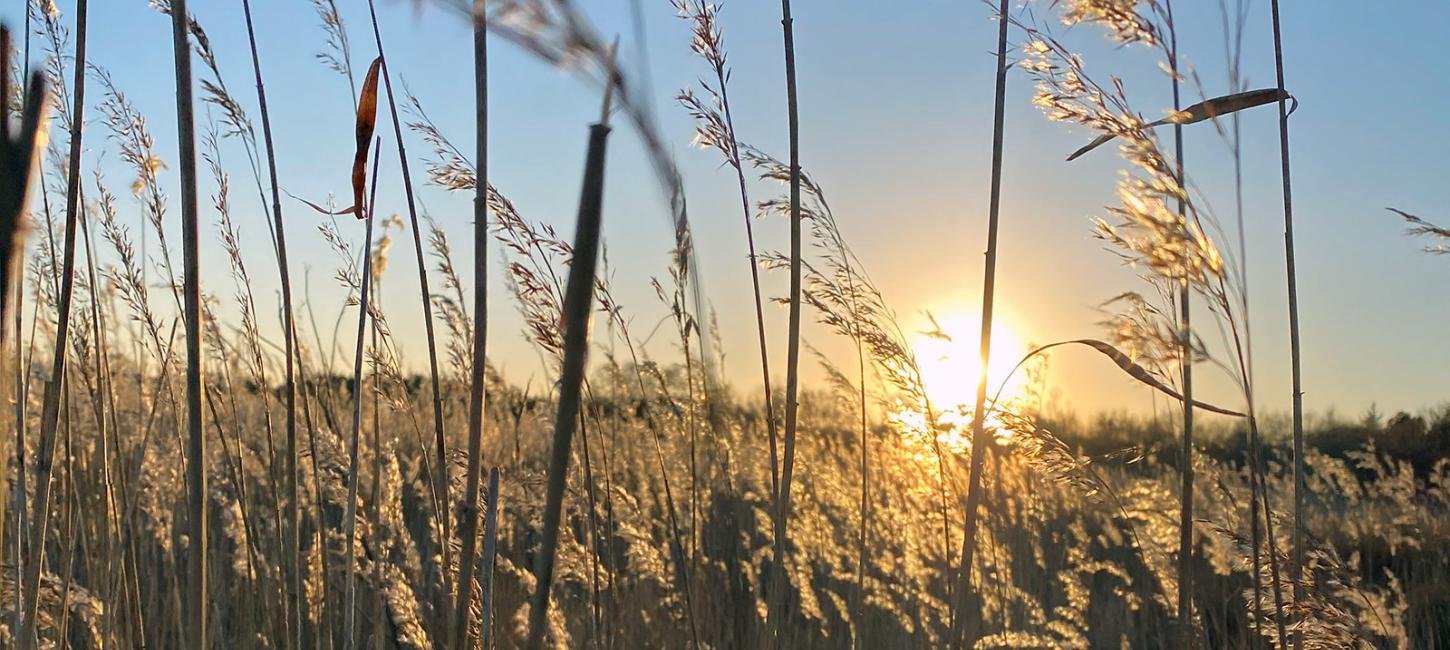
(896, 117)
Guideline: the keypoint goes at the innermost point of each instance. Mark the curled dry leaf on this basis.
(1134, 370)
(367, 121)
(1204, 110)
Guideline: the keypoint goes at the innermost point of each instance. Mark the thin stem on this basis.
(1185, 342)
(294, 516)
(721, 76)
(350, 524)
(469, 511)
(989, 289)
(441, 463)
(776, 613)
(21, 400)
(1296, 566)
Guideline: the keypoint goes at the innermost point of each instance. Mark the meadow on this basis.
(193, 465)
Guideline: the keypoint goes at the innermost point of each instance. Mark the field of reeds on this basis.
(196, 464)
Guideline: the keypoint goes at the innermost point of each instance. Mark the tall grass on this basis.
(793, 342)
(1073, 530)
(196, 595)
(1296, 566)
(979, 440)
(476, 393)
(425, 295)
(289, 343)
(578, 296)
(18, 155)
(50, 409)
(1186, 354)
(717, 129)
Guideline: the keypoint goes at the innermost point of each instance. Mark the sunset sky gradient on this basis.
(896, 114)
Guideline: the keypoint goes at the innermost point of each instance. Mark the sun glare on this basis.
(948, 352)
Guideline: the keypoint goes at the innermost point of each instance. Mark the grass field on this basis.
(203, 465)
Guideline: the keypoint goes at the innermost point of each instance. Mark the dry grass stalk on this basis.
(578, 296)
(1296, 565)
(469, 511)
(425, 294)
(289, 334)
(1185, 521)
(777, 609)
(18, 155)
(191, 265)
(716, 128)
(989, 287)
(366, 121)
(50, 410)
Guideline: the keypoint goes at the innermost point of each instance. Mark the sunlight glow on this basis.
(949, 355)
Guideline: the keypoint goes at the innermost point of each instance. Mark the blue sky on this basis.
(896, 116)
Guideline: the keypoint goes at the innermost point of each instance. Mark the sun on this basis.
(949, 355)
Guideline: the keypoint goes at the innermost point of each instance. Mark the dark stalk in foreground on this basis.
(578, 295)
(468, 527)
(1296, 565)
(18, 501)
(777, 605)
(191, 298)
(293, 563)
(17, 164)
(989, 287)
(50, 408)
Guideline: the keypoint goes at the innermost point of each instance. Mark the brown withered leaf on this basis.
(367, 121)
(1201, 111)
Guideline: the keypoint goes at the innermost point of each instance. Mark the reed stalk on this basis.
(440, 466)
(289, 335)
(50, 409)
(468, 527)
(1186, 352)
(350, 519)
(578, 296)
(980, 437)
(777, 606)
(196, 471)
(1296, 564)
